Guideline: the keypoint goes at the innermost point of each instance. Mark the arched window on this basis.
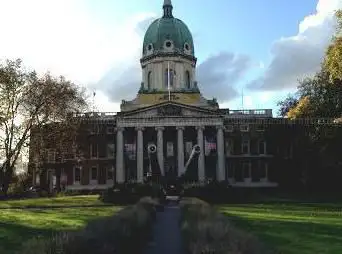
(172, 76)
(149, 80)
(187, 79)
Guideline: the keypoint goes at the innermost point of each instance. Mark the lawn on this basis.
(19, 225)
(91, 200)
(292, 228)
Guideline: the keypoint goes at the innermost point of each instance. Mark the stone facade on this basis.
(114, 148)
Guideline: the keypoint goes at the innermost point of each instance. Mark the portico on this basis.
(168, 134)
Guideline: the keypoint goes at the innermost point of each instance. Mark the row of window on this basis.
(93, 175)
(168, 45)
(169, 76)
(244, 128)
(245, 172)
(94, 152)
(110, 149)
(245, 147)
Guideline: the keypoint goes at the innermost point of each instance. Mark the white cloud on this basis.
(65, 38)
(300, 55)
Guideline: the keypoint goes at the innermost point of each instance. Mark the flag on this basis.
(168, 80)
(209, 146)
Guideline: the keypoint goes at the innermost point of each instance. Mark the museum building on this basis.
(170, 112)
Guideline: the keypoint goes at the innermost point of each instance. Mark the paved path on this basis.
(167, 235)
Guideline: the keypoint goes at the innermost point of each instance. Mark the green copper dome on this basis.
(168, 34)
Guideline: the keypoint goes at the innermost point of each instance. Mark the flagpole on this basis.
(168, 80)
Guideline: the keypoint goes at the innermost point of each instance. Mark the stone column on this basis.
(120, 171)
(160, 148)
(180, 150)
(140, 154)
(200, 142)
(220, 173)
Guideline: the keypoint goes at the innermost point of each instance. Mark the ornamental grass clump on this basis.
(128, 231)
(205, 230)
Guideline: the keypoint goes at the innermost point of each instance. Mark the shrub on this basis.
(127, 193)
(213, 192)
(205, 230)
(17, 189)
(125, 232)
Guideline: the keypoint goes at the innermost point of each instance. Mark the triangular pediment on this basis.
(170, 109)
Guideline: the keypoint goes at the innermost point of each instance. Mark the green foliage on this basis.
(317, 97)
(332, 61)
(29, 102)
(286, 105)
(126, 232)
(205, 230)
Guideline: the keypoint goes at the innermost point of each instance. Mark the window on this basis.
(230, 168)
(263, 171)
(95, 129)
(187, 79)
(110, 150)
(172, 75)
(262, 147)
(186, 46)
(110, 129)
(244, 128)
(246, 167)
(77, 175)
(110, 173)
(229, 147)
(51, 156)
(245, 147)
(168, 44)
(260, 127)
(93, 175)
(94, 150)
(230, 128)
(149, 80)
(150, 47)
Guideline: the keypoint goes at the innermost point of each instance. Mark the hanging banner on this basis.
(169, 149)
(209, 146)
(130, 150)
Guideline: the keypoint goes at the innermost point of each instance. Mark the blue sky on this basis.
(266, 45)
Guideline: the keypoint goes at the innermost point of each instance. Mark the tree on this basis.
(302, 109)
(30, 101)
(286, 105)
(333, 57)
(318, 96)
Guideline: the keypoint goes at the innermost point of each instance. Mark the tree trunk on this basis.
(58, 180)
(7, 177)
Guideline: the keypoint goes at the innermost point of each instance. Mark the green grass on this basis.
(292, 228)
(19, 225)
(60, 201)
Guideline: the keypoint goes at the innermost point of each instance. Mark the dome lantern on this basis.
(167, 9)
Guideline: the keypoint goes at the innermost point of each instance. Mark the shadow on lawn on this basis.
(291, 237)
(12, 235)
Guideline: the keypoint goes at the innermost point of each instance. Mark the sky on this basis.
(251, 53)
